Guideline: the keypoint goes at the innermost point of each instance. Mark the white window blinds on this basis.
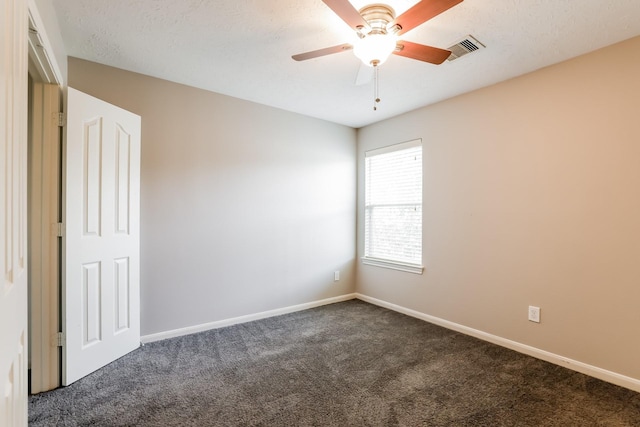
(393, 203)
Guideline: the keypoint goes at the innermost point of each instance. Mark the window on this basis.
(393, 207)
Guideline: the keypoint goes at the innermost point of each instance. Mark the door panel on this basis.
(13, 213)
(101, 244)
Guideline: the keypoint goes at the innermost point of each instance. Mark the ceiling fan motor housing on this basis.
(378, 16)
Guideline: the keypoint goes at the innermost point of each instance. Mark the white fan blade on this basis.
(365, 75)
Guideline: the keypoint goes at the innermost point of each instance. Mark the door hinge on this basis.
(59, 229)
(61, 119)
(60, 339)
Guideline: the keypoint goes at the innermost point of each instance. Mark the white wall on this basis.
(244, 208)
(531, 197)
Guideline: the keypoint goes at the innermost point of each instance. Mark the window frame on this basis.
(383, 262)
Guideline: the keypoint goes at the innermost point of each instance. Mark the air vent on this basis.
(467, 45)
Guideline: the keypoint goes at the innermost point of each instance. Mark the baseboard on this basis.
(584, 368)
(242, 319)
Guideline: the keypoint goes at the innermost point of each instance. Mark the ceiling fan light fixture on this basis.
(374, 49)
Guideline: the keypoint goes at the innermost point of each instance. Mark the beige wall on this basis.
(244, 209)
(531, 197)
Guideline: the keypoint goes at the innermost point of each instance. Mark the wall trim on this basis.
(243, 319)
(583, 368)
(40, 49)
(575, 365)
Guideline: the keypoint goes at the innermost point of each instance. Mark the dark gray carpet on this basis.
(346, 364)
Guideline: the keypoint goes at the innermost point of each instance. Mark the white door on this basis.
(101, 244)
(13, 213)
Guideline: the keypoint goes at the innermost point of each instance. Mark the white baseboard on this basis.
(584, 368)
(242, 319)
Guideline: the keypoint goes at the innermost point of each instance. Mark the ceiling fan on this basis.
(378, 29)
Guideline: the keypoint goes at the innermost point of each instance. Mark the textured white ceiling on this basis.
(243, 48)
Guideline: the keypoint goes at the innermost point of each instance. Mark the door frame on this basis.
(44, 215)
(44, 172)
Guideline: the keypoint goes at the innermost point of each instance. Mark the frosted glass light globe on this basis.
(374, 49)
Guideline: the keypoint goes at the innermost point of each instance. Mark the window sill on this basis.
(394, 265)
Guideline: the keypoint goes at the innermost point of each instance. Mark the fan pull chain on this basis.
(376, 95)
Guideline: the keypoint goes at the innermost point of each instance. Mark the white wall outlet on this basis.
(534, 314)
(336, 275)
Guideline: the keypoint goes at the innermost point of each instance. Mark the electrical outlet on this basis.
(534, 314)
(336, 275)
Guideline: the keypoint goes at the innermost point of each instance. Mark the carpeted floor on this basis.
(345, 364)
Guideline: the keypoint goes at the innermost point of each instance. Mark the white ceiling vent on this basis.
(467, 45)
